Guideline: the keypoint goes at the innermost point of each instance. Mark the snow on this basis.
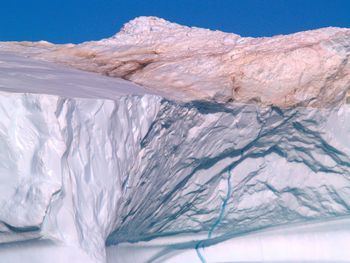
(18, 70)
(98, 169)
(308, 242)
(34, 251)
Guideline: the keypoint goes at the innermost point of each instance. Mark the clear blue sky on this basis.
(62, 21)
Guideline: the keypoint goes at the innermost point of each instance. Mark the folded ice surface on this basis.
(51, 146)
(89, 162)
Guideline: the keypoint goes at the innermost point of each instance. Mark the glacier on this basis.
(99, 169)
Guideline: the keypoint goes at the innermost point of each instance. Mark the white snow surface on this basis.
(17, 70)
(97, 169)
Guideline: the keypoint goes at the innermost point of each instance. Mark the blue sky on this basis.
(62, 21)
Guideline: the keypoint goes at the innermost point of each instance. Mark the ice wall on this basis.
(63, 164)
(234, 136)
(87, 173)
(233, 169)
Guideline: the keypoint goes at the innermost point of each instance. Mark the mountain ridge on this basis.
(308, 68)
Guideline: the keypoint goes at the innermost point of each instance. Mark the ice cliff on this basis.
(233, 149)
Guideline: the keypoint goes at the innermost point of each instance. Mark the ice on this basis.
(98, 169)
(19, 73)
(309, 242)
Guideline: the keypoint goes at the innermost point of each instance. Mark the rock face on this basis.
(304, 69)
(89, 162)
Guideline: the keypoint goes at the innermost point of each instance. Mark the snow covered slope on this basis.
(99, 169)
(18, 73)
